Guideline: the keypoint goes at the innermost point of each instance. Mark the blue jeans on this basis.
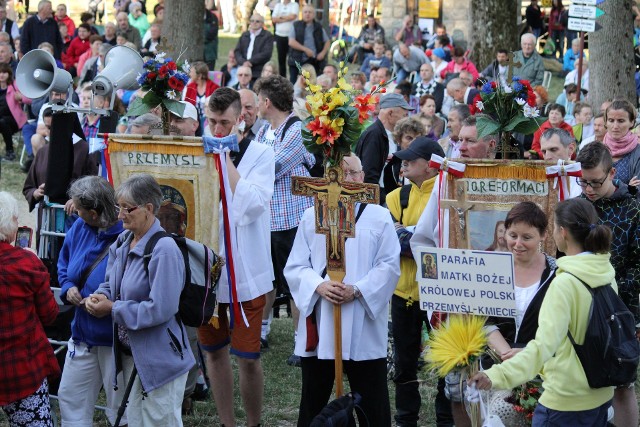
(28, 130)
(545, 417)
(402, 74)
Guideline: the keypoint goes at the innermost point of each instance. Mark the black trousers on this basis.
(282, 43)
(367, 377)
(407, 321)
(281, 244)
(8, 127)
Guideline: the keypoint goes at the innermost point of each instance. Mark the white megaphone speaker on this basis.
(122, 65)
(37, 75)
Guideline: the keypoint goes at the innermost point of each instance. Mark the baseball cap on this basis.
(421, 147)
(439, 52)
(394, 100)
(189, 112)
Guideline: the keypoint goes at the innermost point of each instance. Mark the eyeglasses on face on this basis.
(126, 211)
(593, 184)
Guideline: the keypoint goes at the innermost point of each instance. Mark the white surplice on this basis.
(252, 216)
(373, 265)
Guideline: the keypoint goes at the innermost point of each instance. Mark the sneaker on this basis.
(294, 360)
(10, 156)
(27, 164)
(264, 345)
(201, 392)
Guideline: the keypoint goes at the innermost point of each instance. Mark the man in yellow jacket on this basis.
(406, 205)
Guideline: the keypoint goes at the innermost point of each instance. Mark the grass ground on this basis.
(282, 389)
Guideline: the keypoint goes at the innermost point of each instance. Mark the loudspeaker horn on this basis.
(121, 70)
(37, 75)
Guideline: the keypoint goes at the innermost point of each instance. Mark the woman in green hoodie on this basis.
(567, 399)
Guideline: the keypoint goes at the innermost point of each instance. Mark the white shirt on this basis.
(523, 299)
(284, 28)
(252, 215)
(252, 38)
(373, 265)
(392, 149)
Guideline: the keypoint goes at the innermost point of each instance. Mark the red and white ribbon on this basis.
(445, 165)
(230, 242)
(560, 172)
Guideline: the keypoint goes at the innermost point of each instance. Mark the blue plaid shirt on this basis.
(90, 131)
(291, 157)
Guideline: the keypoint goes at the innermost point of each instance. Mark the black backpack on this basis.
(339, 413)
(610, 353)
(202, 271)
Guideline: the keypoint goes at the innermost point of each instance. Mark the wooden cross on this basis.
(335, 218)
(462, 206)
(510, 65)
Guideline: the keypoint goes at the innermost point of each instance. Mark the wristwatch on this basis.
(356, 292)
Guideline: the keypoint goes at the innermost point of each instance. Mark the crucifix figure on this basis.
(461, 206)
(334, 208)
(510, 65)
(334, 200)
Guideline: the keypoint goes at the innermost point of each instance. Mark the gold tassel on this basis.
(215, 321)
(517, 170)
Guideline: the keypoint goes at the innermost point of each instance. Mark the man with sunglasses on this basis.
(254, 47)
(619, 208)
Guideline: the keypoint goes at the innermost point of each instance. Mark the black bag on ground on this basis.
(339, 413)
(610, 353)
(202, 268)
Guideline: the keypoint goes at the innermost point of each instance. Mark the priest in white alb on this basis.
(372, 272)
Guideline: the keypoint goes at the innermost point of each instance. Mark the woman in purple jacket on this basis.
(144, 306)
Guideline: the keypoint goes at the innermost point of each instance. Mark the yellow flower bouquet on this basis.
(458, 344)
(338, 116)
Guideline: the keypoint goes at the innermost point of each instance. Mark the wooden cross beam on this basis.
(335, 218)
(461, 207)
(510, 65)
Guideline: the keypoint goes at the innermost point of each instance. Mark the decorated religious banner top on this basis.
(474, 202)
(188, 179)
(466, 281)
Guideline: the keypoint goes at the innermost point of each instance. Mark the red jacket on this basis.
(76, 48)
(465, 66)
(192, 91)
(535, 145)
(26, 303)
(71, 26)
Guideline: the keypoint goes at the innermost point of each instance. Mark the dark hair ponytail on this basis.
(580, 219)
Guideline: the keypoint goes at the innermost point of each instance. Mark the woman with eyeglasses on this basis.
(620, 119)
(143, 302)
(82, 267)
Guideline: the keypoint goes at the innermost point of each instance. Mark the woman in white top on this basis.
(282, 17)
(526, 230)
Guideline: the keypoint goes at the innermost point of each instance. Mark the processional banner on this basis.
(187, 176)
(475, 197)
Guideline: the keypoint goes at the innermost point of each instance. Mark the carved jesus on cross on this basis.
(332, 192)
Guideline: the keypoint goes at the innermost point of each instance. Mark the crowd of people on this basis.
(125, 304)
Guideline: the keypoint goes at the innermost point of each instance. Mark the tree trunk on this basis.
(184, 30)
(493, 26)
(611, 56)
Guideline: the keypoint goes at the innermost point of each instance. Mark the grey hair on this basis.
(456, 84)
(147, 119)
(462, 110)
(8, 216)
(530, 36)
(42, 3)
(95, 193)
(141, 189)
(564, 136)
(104, 48)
